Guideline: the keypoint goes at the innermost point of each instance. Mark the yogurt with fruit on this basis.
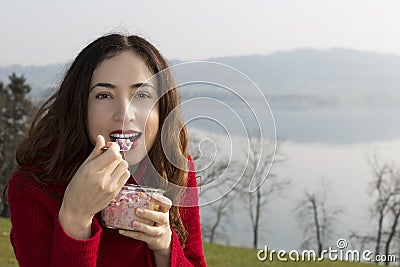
(120, 212)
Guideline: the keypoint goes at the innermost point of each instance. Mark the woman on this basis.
(108, 98)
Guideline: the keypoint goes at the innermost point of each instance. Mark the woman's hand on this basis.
(157, 236)
(94, 185)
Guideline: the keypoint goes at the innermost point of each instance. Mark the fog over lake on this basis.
(320, 144)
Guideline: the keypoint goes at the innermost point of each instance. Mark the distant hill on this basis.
(336, 75)
(291, 79)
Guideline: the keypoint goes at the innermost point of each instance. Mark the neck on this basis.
(133, 169)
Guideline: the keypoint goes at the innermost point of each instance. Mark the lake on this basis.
(332, 145)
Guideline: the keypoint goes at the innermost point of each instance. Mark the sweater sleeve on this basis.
(37, 236)
(192, 253)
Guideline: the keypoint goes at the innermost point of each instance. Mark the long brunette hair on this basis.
(60, 126)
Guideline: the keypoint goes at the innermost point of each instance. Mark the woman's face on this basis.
(123, 105)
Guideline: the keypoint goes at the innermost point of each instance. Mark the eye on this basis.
(142, 95)
(103, 96)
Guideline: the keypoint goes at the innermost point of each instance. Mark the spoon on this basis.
(106, 148)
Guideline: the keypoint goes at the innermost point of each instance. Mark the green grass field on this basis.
(7, 258)
(219, 255)
(216, 255)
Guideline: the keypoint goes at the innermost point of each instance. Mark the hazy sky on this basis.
(53, 31)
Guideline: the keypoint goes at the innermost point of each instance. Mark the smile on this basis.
(126, 141)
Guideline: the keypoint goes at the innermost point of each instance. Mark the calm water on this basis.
(324, 144)
(343, 167)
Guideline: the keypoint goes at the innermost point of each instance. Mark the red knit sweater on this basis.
(39, 240)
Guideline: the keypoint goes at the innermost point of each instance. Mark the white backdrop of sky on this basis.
(54, 31)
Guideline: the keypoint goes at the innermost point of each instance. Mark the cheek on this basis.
(96, 122)
(91, 125)
(152, 127)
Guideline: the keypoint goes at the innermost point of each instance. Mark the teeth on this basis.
(124, 136)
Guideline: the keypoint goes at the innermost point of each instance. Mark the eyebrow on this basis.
(112, 86)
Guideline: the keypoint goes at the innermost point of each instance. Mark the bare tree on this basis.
(219, 210)
(317, 218)
(212, 171)
(214, 228)
(384, 189)
(386, 207)
(259, 164)
(381, 189)
(363, 241)
(395, 215)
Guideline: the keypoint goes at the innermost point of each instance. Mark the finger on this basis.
(123, 177)
(109, 160)
(148, 229)
(163, 202)
(113, 146)
(160, 218)
(119, 170)
(100, 143)
(135, 234)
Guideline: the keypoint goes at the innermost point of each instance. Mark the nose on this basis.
(124, 111)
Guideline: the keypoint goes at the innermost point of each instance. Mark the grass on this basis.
(216, 255)
(220, 255)
(7, 258)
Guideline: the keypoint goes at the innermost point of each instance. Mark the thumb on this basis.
(100, 143)
(164, 203)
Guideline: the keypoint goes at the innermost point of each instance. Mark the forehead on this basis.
(124, 68)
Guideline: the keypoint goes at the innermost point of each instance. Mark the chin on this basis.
(133, 157)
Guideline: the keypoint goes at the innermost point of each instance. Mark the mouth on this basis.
(125, 140)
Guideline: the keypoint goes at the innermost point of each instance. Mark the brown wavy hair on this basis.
(59, 128)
